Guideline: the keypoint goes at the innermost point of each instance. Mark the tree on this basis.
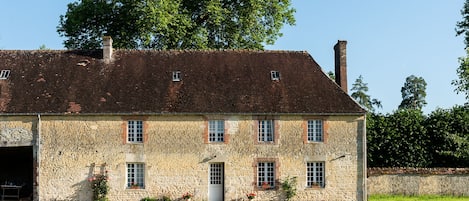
(462, 27)
(178, 24)
(449, 131)
(360, 90)
(398, 140)
(462, 84)
(43, 47)
(413, 93)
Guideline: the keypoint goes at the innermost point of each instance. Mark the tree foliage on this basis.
(462, 27)
(449, 131)
(359, 93)
(462, 83)
(413, 93)
(397, 140)
(407, 138)
(177, 24)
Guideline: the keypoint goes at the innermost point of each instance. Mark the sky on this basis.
(387, 41)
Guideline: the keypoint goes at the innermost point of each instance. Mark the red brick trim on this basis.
(256, 130)
(277, 172)
(125, 121)
(325, 128)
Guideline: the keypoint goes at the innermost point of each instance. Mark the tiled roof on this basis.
(140, 81)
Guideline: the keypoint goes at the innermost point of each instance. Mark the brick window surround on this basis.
(226, 136)
(276, 133)
(125, 122)
(255, 165)
(325, 127)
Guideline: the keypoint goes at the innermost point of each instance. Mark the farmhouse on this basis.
(217, 124)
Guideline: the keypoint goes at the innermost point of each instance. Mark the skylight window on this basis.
(274, 75)
(4, 74)
(176, 76)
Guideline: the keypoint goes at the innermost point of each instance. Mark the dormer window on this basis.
(4, 74)
(274, 75)
(176, 76)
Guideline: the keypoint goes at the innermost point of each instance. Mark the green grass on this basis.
(416, 198)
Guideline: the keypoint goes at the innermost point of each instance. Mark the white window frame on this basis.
(315, 174)
(266, 173)
(266, 130)
(135, 175)
(4, 74)
(176, 76)
(216, 130)
(315, 130)
(135, 131)
(274, 75)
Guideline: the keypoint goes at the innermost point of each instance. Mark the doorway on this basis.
(216, 182)
(17, 168)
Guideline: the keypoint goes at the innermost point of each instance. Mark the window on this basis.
(135, 175)
(274, 75)
(266, 175)
(135, 131)
(176, 76)
(315, 174)
(4, 74)
(266, 131)
(216, 130)
(315, 133)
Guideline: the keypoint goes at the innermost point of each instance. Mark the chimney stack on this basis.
(107, 49)
(341, 64)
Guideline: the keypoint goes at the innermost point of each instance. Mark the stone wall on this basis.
(442, 181)
(72, 148)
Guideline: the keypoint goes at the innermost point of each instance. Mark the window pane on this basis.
(315, 132)
(135, 131)
(266, 174)
(315, 174)
(266, 131)
(216, 130)
(135, 175)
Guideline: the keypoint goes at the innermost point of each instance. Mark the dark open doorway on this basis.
(17, 168)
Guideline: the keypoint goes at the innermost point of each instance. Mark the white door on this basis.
(215, 182)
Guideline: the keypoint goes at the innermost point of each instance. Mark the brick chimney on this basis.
(107, 49)
(341, 64)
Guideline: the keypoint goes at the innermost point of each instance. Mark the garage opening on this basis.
(16, 171)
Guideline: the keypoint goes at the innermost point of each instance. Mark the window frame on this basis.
(315, 175)
(136, 133)
(259, 179)
(5, 74)
(136, 179)
(262, 135)
(312, 133)
(216, 127)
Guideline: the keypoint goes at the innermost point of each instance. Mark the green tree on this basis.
(43, 47)
(178, 24)
(462, 27)
(398, 140)
(413, 93)
(462, 83)
(359, 93)
(449, 131)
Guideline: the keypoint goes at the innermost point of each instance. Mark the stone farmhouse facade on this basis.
(217, 124)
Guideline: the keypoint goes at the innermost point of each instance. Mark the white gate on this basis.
(216, 181)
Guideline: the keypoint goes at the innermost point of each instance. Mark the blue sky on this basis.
(387, 40)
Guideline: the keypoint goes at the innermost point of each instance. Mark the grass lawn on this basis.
(416, 198)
